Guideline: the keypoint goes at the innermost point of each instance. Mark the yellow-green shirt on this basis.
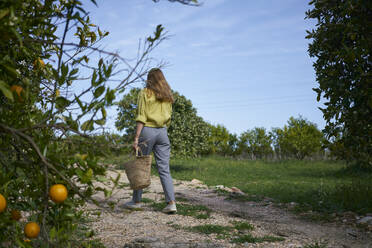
(152, 112)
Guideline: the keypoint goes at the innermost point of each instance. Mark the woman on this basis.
(153, 117)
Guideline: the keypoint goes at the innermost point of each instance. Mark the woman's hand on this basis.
(138, 133)
(135, 144)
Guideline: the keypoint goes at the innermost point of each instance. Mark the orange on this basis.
(32, 230)
(16, 215)
(39, 63)
(58, 193)
(17, 89)
(2, 203)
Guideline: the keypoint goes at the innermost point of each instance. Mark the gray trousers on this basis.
(156, 140)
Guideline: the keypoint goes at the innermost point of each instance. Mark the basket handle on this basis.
(138, 148)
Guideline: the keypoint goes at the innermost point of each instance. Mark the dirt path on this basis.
(151, 228)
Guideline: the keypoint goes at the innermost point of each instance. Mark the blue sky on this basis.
(243, 64)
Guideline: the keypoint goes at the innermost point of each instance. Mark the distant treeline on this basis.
(299, 139)
(191, 136)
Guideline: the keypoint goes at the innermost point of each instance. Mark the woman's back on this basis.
(151, 111)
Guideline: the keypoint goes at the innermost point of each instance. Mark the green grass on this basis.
(209, 229)
(241, 225)
(196, 211)
(248, 238)
(147, 200)
(323, 186)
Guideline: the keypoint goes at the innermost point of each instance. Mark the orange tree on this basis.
(341, 47)
(54, 83)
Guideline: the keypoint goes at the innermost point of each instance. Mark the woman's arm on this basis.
(138, 132)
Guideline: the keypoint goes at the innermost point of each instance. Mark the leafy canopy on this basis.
(341, 45)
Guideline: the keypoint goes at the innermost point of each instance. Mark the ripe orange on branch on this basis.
(39, 63)
(2, 203)
(32, 230)
(17, 89)
(58, 193)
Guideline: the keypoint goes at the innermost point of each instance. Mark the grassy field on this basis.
(323, 186)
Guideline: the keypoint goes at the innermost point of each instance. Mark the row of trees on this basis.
(298, 139)
(190, 135)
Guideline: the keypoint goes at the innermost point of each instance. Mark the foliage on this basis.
(255, 143)
(47, 49)
(210, 228)
(221, 141)
(298, 139)
(242, 225)
(341, 45)
(188, 132)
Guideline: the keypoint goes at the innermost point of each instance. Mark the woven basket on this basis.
(139, 171)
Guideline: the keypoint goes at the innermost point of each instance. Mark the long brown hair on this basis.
(157, 83)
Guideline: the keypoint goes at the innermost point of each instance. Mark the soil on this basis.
(150, 227)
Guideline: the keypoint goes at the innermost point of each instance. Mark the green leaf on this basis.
(107, 193)
(80, 103)
(62, 103)
(4, 87)
(11, 71)
(3, 12)
(70, 214)
(110, 96)
(86, 59)
(103, 111)
(74, 71)
(52, 233)
(101, 179)
(87, 126)
(93, 37)
(64, 70)
(108, 71)
(71, 122)
(100, 122)
(94, 78)
(87, 177)
(99, 91)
